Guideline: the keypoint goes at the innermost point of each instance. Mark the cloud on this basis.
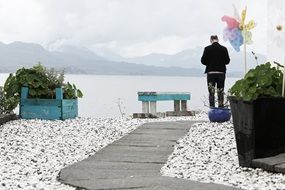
(21, 20)
(128, 27)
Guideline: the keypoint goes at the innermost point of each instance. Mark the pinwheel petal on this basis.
(247, 36)
(251, 24)
(243, 16)
(231, 22)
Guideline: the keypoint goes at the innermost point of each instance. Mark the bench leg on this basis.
(176, 105)
(152, 107)
(183, 105)
(145, 107)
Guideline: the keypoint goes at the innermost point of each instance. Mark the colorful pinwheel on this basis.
(237, 32)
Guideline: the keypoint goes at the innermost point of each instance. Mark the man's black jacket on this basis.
(215, 57)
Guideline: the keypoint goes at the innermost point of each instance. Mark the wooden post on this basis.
(183, 105)
(152, 107)
(244, 40)
(24, 92)
(176, 105)
(24, 95)
(59, 93)
(283, 85)
(145, 107)
(244, 49)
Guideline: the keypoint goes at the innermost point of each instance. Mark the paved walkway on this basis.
(134, 162)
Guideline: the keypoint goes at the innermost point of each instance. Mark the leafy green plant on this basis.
(2, 100)
(262, 81)
(71, 91)
(214, 89)
(6, 105)
(41, 82)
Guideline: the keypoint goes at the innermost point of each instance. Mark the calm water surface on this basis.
(104, 95)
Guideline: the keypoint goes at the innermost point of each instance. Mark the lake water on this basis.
(104, 95)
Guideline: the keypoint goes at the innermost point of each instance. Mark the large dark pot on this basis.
(259, 128)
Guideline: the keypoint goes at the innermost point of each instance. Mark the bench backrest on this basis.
(163, 96)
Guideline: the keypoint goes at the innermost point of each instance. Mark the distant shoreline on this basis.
(229, 74)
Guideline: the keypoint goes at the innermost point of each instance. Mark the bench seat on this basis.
(163, 96)
(149, 100)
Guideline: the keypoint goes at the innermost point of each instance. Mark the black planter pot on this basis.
(259, 128)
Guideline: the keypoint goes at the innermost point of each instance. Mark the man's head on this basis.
(214, 38)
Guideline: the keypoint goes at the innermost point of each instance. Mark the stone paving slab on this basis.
(272, 164)
(134, 162)
(132, 158)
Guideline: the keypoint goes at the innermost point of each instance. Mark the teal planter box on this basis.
(49, 109)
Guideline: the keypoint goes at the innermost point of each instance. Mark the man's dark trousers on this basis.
(216, 80)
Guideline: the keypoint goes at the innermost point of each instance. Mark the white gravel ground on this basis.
(32, 152)
(208, 154)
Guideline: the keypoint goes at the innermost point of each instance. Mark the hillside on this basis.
(77, 60)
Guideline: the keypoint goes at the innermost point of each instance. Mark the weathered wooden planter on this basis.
(49, 109)
(259, 128)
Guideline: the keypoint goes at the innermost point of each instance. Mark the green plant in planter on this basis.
(71, 91)
(41, 82)
(2, 100)
(262, 81)
(6, 105)
(258, 113)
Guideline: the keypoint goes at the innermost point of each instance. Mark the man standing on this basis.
(215, 57)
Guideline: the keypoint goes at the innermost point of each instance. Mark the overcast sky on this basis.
(126, 27)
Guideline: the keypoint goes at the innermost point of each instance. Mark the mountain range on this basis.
(79, 60)
(190, 58)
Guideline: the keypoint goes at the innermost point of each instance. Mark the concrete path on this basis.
(134, 162)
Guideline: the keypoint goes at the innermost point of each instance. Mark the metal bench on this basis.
(149, 100)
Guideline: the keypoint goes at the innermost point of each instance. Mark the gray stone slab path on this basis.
(271, 164)
(134, 162)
